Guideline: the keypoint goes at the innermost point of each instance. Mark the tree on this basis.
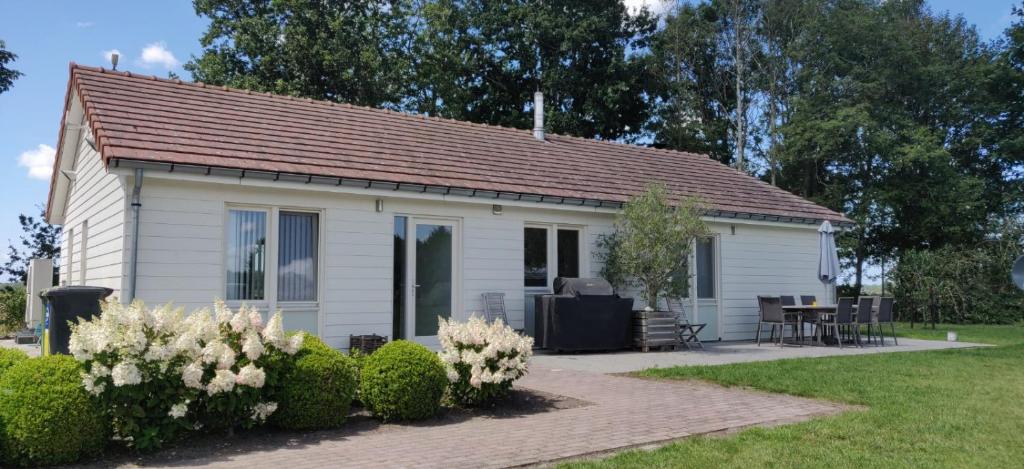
(39, 240)
(482, 60)
(355, 51)
(7, 75)
(651, 243)
(693, 96)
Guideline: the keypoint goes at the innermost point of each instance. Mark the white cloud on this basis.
(656, 7)
(38, 161)
(84, 24)
(157, 54)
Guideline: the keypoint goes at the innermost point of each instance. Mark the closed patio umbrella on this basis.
(828, 258)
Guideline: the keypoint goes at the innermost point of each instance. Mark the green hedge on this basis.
(317, 390)
(403, 381)
(46, 417)
(10, 357)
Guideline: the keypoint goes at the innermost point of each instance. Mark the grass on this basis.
(952, 408)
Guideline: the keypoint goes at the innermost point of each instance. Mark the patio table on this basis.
(815, 312)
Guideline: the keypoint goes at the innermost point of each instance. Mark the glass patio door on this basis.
(432, 273)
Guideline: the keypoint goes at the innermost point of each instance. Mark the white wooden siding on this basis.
(98, 198)
(181, 254)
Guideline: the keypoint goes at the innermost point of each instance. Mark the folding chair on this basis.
(687, 330)
(494, 308)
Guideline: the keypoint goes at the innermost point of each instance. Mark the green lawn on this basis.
(954, 408)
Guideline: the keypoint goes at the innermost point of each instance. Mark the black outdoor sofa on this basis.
(584, 314)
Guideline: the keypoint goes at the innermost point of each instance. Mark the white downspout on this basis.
(133, 261)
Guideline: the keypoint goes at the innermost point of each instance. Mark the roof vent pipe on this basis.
(538, 116)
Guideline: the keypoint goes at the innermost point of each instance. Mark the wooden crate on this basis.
(655, 329)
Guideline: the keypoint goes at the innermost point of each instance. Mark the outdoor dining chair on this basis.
(842, 320)
(788, 300)
(687, 330)
(808, 300)
(771, 312)
(884, 316)
(865, 316)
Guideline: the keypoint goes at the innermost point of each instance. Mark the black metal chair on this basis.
(843, 317)
(788, 300)
(808, 300)
(687, 330)
(884, 316)
(865, 316)
(771, 312)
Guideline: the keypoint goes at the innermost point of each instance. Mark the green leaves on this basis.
(651, 243)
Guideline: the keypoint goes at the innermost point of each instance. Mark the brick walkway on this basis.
(624, 412)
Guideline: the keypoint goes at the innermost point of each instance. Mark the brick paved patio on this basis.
(624, 412)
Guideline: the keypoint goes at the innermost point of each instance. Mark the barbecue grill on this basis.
(584, 314)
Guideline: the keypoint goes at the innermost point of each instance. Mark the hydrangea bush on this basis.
(482, 359)
(158, 371)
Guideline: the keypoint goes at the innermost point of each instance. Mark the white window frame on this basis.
(552, 254)
(270, 302)
(69, 239)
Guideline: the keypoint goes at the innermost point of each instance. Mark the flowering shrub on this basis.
(158, 372)
(482, 359)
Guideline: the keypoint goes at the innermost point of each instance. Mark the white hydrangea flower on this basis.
(261, 411)
(223, 381)
(239, 321)
(251, 376)
(125, 373)
(494, 352)
(178, 410)
(294, 343)
(192, 376)
(252, 346)
(274, 332)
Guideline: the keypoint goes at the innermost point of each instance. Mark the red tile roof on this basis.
(150, 119)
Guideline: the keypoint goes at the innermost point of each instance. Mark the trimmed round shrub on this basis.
(317, 390)
(402, 381)
(10, 357)
(47, 417)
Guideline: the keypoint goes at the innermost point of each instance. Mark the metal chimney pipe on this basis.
(538, 116)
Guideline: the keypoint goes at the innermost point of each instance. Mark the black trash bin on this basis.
(65, 304)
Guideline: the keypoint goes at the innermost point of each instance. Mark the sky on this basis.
(152, 37)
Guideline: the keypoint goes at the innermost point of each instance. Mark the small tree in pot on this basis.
(650, 246)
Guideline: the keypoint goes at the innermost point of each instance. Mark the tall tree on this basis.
(346, 51)
(7, 74)
(481, 60)
(692, 94)
(39, 240)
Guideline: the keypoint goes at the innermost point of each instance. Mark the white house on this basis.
(353, 220)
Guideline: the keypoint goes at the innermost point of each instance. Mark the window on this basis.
(568, 253)
(535, 250)
(246, 254)
(706, 268)
(298, 239)
(398, 300)
(540, 250)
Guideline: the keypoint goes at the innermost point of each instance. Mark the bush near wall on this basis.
(961, 284)
(47, 417)
(10, 357)
(316, 390)
(403, 381)
(12, 309)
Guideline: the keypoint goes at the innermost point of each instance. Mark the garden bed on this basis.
(214, 447)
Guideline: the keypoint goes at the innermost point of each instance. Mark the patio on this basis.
(721, 353)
